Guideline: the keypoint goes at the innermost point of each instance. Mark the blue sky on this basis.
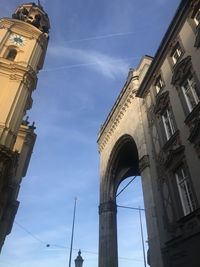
(92, 46)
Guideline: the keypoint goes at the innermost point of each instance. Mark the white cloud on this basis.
(108, 66)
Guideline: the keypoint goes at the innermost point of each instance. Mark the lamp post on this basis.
(79, 260)
(72, 236)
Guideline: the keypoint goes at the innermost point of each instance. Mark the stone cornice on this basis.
(118, 110)
(23, 28)
(19, 72)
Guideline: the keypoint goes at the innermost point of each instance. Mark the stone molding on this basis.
(118, 111)
(21, 27)
(109, 206)
(162, 102)
(18, 72)
(144, 163)
(181, 70)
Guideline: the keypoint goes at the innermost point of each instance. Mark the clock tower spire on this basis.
(23, 45)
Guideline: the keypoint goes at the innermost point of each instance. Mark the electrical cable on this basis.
(64, 247)
(126, 186)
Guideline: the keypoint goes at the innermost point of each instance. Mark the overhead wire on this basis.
(126, 186)
(64, 247)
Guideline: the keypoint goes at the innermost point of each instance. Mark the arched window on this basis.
(11, 54)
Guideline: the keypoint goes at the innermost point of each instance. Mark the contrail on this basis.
(101, 37)
(85, 64)
(107, 36)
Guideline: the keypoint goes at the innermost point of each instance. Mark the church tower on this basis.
(23, 45)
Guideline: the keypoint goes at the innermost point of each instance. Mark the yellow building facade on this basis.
(23, 44)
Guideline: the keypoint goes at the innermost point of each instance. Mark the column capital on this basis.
(109, 206)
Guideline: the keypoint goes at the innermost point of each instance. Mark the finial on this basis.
(25, 122)
(39, 4)
(79, 252)
(32, 126)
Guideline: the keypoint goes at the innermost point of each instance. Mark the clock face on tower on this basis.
(17, 39)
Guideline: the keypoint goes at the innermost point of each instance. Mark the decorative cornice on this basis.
(162, 101)
(194, 131)
(21, 27)
(193, 114)
(174, 155)
(181, 70)
(18, 72)
(117, 112)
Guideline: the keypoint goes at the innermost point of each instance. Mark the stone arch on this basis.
(123, 162)
(124, 147)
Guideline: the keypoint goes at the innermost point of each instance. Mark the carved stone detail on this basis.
(193, 121)
(181, 70)
(174, 156)
(117, 113)
(197, 40)
(162, 102)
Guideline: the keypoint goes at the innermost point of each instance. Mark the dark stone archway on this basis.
(123, 163)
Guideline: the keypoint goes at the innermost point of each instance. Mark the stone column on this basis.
(154, 253)
(108, 255)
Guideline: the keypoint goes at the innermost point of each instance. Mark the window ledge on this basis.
(171, 140)
(188, 217)
(192, 114)
(175, 64)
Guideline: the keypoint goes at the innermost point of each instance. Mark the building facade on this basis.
(153, 130)
(23, 44)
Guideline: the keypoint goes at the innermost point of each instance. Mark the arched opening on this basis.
(123, 164)
(131, 224)
(11, 54)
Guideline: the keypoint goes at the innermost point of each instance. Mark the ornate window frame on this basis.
(159, 84)
(176, 48)
(182, 71)
(193, 21)
(185, 191)
(165, 115)
(174, 162)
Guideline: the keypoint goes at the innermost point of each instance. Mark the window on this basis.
(159, 84)
(11, 55)
(176, 54)
(197, 18)
(168, 122)
(185, 190)
(189, 88)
